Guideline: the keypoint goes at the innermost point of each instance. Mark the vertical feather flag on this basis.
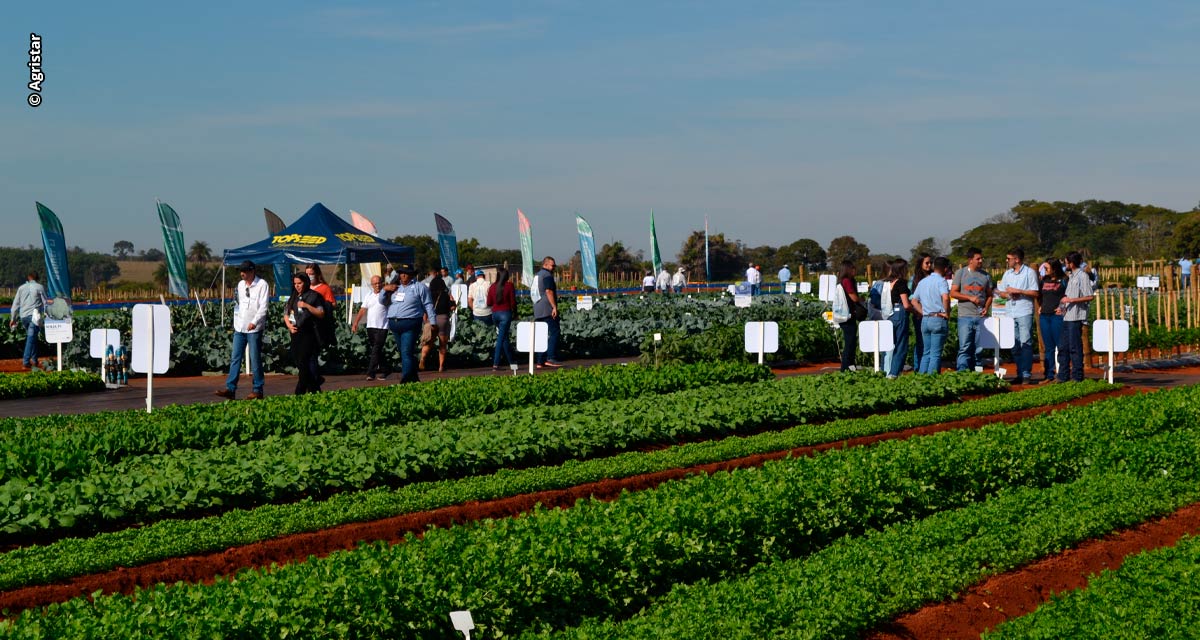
(54, 244)
(707, 273)
(655, 256)
(368, 269)
(447, 243)
(282, 272)
(173, 244)
(587, 252)
(526, 233)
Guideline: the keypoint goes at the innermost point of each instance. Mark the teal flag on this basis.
(173, 245)
(448, 245)
(54, 245)
(587, 252)
(655, 256)
(526, 233)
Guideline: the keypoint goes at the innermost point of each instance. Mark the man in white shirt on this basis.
(249, 319)
(678, 280)
(377, 330)
(754, 277)
(1019, 286)
(664, 281)
(28, 308)
(648, 282)
(477, 299)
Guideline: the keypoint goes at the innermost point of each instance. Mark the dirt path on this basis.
(205, 567)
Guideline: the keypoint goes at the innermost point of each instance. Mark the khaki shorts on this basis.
(443, 327)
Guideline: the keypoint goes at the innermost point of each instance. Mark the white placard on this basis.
(1118, 329)
(875, 336)
(864, 287)
(827, 287)
(741, 300)
(805, 287)
(541, 336)
(58, 331)
(101, 340)
(1147, 282)
(458, 293)
(790, 287)
(762, 337)
(583, 303)
(999, 332)
(151, 321)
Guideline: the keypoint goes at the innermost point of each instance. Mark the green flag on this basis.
(655, 256)
(173, 244)
(58, 276)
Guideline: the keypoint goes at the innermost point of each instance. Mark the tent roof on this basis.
(321, 237)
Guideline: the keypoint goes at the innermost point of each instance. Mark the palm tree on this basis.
(200, 252)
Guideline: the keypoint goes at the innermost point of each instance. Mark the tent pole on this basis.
(224, 253)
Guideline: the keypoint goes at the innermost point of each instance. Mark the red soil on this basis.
(205, 567)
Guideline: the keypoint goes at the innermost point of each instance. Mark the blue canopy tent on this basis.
(320, 237)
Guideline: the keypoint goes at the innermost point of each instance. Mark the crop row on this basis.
(72, 557)
(55, 447)
(46, 383)
(555, 568)
(184, 482)
(1153, 595)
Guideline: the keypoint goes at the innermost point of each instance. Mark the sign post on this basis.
(762, 338)
(532, 337)
(151, 344)
(58, 332)
(101, 341)
(875, 336)
(999, 332)
(1111, 336)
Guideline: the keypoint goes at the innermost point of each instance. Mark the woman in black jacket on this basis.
(304, 309)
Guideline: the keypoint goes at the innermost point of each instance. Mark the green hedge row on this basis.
(47, 383)
(556, 568)
(147, 488)
(57, 447)
(72, 557)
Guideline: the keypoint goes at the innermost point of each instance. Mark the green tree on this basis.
(1187, 236)
(806, 252)
(613, 257)
(122, 248)
(152, 255)
(930, 245)
(724, 261)
(847, 248)
(200, 252)
(425, 251)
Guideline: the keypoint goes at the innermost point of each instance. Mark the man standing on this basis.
(678, 281)
(972, 287)
(664, 281)
(249, 319)
(408, 304)
(931, 301)
(477, 300)
(752, 279)
(785, 276)
(1020, 286)
(376, 314)
(1185, 273)
(1076, 299)
(28, 308)
(546, 310)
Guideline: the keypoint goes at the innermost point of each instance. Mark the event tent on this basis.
(321, 237)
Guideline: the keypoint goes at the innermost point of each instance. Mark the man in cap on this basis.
(477, 299)
(249, 319)
(408, 305)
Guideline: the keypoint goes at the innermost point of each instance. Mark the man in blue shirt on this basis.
(1185, 272)
(28, 308)
(408, 304)
(785, 276)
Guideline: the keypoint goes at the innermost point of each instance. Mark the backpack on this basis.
(885, 311)
(875, 300)
(327, 327)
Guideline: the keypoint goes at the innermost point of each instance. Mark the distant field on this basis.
(136, 271)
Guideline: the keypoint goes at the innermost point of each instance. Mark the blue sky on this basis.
(887, 121)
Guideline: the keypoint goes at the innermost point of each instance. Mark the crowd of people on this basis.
(1057, 294)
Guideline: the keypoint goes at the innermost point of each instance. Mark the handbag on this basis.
(859, 311)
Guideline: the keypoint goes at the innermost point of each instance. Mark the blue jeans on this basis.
(1070, 352)
(934, 332)
(899, 320)
(29, 357)
(1050, 325)
(503, 320)
(406, 331)
(968, 342)
(552, 334)
(488, 320)
(1023, 346)
(240, 342)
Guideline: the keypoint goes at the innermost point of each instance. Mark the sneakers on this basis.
(225, 393)
(255, 396)
(551, 363)
(370, 378)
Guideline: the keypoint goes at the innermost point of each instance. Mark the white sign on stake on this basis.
(101, 340)
(741, 300)
(875, 336)
(827, 287)
(151, 344)
(535, 333)
(998, 332)
(583, 303)
(58, 332)
(762, 338)
(864, 287)
(790, 287)
(805, 287)
(1111, 336)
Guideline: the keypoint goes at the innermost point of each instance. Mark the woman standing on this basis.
(849, 327)
(900, 308)
(502, 298)
(304, 309)
(923, 268)
(1050, 319)
(317, 282)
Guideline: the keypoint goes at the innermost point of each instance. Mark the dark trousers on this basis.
(304, 351)
(378, 364)
(850, 335)
(406, 331)
(1070, 351)
(552, 334)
